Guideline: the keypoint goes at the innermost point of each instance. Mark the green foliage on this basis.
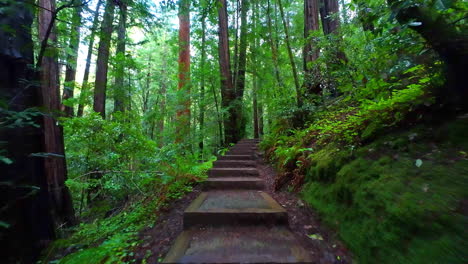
(384, 205)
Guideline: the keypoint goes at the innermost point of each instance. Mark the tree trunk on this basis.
(84, 86)
(242, 62)
(310, 53)
(183, 114)
(102, 66)
(299, 98)
(26, 209)
(448, 41)
(119, 89)
(70, 72)
(55, 165)
(227, 91)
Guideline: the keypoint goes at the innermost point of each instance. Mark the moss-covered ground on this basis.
(398, 198)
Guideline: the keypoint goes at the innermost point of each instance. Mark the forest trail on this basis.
(234, 220)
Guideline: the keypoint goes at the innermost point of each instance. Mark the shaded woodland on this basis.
(110, 110)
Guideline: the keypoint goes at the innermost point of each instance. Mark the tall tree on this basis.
(310, 53)
(242, 62)
(72, 58)
(24, 201)
(329, 15)
(183, 112)
(55, 165)
(84, 85)
(227, 89)
(299, 99)
(100, 85)
(119, 89)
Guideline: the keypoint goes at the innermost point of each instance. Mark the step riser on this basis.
(232, 173)
(236, 157)
(233, 164)
(237, 185)
(223, 219)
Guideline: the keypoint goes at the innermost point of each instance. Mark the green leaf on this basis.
(418, 163)
(6, 160)
(315, 236)
(4, 224)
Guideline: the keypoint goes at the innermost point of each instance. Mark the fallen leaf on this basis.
(315, 236)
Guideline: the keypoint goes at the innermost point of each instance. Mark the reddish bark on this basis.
(55, 165)
(227, 89)
(183, 115)
(102, 61)
(311, 23)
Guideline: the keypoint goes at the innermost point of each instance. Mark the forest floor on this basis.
(321, 242)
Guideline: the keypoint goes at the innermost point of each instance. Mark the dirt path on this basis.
(302, 231)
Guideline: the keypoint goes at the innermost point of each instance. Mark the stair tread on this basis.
(234, 202)
(234, 179)
(247, 244)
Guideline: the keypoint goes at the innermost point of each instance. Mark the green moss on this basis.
(388, 210)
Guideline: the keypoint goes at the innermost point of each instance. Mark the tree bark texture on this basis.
(119, 89)
(183, 112)
(25, 202)
(242, 63)
(310, 53)
(100, 85)
(55, 164)
(227, 89)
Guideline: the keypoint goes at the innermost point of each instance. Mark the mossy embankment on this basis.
(396, 195)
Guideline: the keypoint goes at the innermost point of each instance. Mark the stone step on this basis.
(248, 244)
(233, 172)
(221, 208)
(234, 164)
(232, 183)
(246, 144)
(256, 140)
(236, 157)
(240, 152)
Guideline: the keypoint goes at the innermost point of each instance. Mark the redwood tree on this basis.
(310, 53)
(183, 113)
(102, 62)
(55, 165)
(119, 89)
(227, 89)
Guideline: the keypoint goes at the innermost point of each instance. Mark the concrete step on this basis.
(233, 183)
(249, 244)
(234, 164)
(256, 140)
(221, 208)
(240, 152)
(235, 157)
(233, 172)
